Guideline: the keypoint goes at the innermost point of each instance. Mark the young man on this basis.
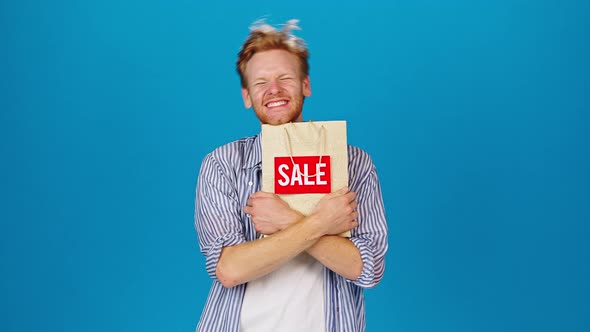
(302, 276)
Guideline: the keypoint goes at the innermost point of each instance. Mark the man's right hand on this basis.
(270, 213)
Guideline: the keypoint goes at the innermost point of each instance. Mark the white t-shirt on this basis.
(289, 299)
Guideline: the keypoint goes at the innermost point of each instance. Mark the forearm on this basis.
(335, 252)
(248, 261)
(338, 254)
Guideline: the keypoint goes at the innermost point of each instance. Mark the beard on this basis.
(291, 113)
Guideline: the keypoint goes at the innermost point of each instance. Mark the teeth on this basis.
(277, 103)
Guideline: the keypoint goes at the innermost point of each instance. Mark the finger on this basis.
(260, 194)
(338, 192)
(354, 204)
(350, 196)
(247, 209)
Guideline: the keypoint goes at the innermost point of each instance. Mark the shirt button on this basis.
(250, 183)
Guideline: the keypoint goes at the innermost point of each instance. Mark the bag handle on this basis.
(322, 134)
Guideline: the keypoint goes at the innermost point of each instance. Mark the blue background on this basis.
(475, 113)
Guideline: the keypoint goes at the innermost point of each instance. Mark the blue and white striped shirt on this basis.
(228, 176)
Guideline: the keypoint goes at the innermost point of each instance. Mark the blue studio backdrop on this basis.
(475, 113)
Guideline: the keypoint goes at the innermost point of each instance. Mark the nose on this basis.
(274, 86)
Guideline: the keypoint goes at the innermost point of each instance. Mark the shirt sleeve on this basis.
(217, 213)
(370, 236)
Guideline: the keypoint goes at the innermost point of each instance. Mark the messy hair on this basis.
(264, 37)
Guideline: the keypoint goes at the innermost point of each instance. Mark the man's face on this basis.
(276, 87)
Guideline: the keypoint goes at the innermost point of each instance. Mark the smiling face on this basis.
(275, 87)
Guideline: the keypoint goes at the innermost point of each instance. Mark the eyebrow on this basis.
(259, 80)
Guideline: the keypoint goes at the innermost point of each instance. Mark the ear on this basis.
(306, 86)
(246, 98)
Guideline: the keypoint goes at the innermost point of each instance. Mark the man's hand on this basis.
(270, 213)
(336, 212)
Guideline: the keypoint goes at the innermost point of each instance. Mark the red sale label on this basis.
(303, 175)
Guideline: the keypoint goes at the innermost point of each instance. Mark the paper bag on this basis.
(303, 161)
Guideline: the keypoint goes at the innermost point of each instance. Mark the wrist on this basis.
(315, 225)
(293, 217)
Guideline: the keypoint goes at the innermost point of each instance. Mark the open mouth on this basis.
(276, 103)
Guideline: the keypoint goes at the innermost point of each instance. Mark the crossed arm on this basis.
(291, 233)
(233, 260)
(270, 215)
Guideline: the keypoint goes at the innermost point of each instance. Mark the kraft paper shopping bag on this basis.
(303, 161)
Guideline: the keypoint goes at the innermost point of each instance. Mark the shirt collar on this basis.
(253, 153)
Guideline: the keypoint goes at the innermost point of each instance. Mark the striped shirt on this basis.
(228, 176)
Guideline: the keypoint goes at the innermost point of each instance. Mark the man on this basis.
(302, 276)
